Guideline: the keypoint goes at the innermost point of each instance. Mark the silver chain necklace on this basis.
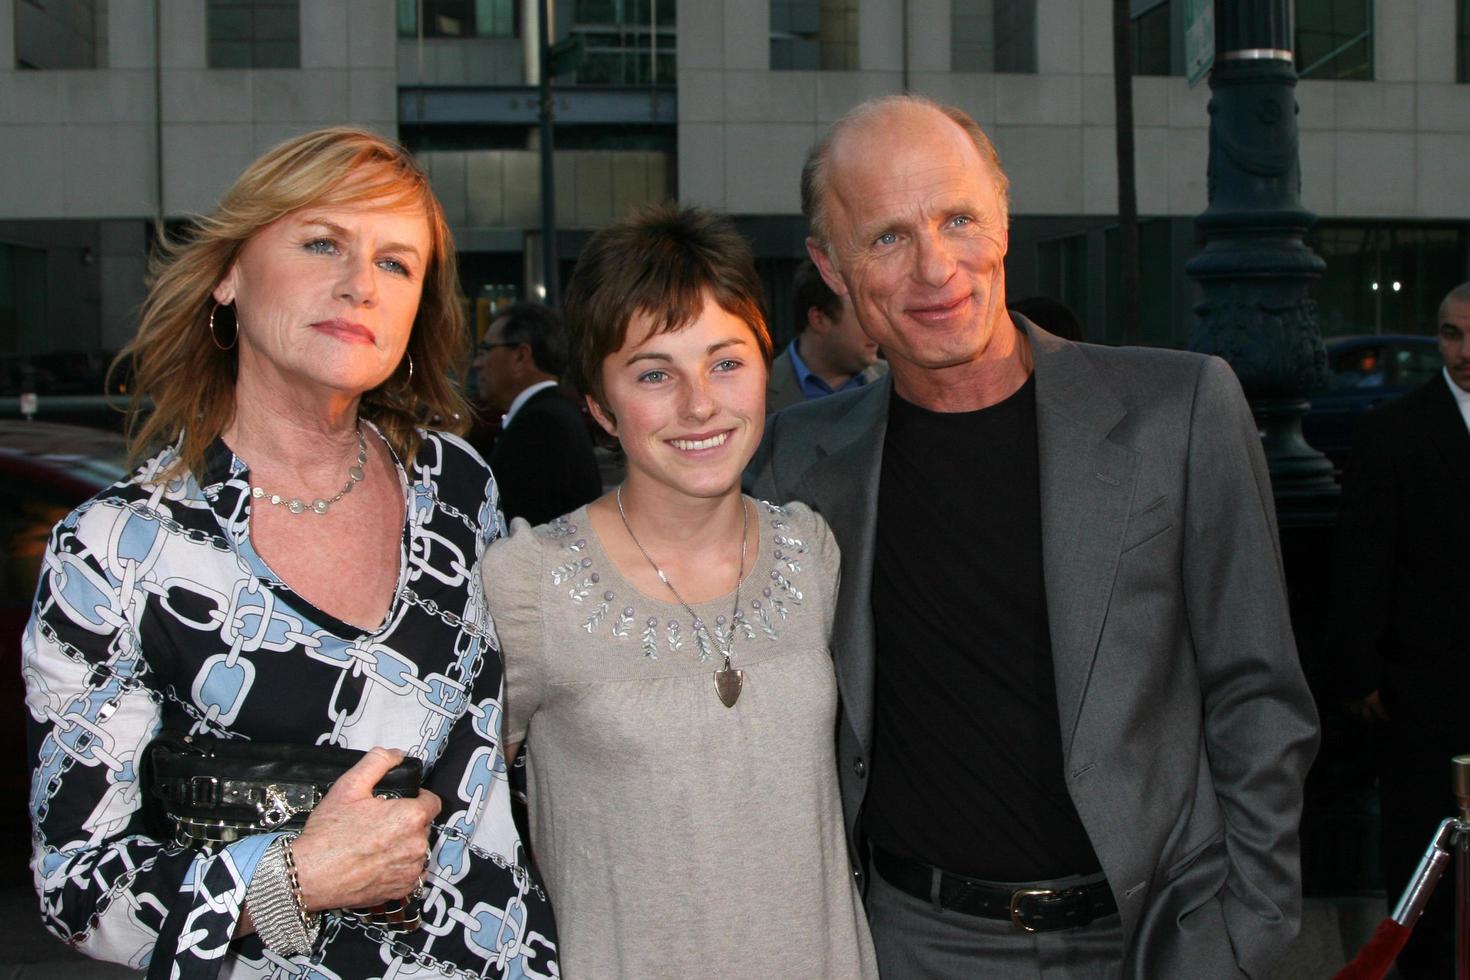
(320, 505)
(728, 682)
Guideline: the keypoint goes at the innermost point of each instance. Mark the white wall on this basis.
(84, 144)
(1396, 146)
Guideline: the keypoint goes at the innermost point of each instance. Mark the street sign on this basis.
(1199, 39)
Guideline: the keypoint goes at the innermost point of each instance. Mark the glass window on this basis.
(814, 34)
(1062, 270)
(254, 33)
(625, 42)
(1462, 42)
(60, 34)
(1384, 278)
(1334, 39)
(1155, 46)
(22, 299)
(998, 36)
(1357, 367)
(1412, 366)
(1156, 326)
(459, 18)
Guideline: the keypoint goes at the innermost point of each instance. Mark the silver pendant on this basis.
(728, 683)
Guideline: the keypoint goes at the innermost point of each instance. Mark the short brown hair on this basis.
(814, 171)
(659, 262)
(191, 382)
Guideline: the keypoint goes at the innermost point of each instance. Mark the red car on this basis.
(46, 469)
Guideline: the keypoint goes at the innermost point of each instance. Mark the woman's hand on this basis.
(359, 850)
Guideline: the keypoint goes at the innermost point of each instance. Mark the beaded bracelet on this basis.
(310, 921)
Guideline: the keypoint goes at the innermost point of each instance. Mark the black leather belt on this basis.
(1033, 909)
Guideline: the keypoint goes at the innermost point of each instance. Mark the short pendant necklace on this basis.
(320, 505)
(727, 681)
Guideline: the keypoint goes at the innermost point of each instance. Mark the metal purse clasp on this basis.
(275, 808)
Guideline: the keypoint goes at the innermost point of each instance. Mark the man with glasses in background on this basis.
(542, 459)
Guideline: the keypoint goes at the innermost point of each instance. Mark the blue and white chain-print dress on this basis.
(153, 610)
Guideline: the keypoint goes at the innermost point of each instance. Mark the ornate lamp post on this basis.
(1255, 269)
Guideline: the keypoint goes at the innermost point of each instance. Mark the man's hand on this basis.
(1369, 709)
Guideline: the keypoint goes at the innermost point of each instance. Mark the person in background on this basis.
(1051, 315)
(1402, 615)
(1075, 730)
(666, 646)
(542, 460)
(830, 352)
(299, 564)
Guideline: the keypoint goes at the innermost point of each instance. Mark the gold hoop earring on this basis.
(214, 335)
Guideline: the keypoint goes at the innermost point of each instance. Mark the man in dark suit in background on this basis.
(830, 352)
(542, 460)
(1402, 618)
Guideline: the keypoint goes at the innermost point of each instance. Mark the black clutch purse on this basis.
(204, 791)
(211, 790)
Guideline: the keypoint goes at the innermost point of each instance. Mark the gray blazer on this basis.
(1187, 727)
(783, 389)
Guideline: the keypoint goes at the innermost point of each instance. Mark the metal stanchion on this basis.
(1375, 958)
(1460, 777)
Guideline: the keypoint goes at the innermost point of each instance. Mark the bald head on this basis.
(1453, 331)
(1459, 296)
(880, 116)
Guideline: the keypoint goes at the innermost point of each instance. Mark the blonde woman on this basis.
(666, 645)
(300, 564)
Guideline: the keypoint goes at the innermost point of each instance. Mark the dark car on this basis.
(1365, 371)
(46, 469)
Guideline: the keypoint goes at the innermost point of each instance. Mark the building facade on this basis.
(118, 115)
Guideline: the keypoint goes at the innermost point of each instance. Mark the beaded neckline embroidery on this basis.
(759, 615)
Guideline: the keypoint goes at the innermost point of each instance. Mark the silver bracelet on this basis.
(281, 920)
(310, 921)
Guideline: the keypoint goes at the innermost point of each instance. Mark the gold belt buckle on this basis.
(1024, 893)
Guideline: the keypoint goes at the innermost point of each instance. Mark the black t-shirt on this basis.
(967, 768)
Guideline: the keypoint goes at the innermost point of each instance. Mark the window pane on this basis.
(1152, 43)
(1367, 260)
(60, 34)
(1062, 270)
(1334, 39)
(814, 34)
(494, 18)
(619, 45)
(1462, 42)
(993, 36)
(254, 33)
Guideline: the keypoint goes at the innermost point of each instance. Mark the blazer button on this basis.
(859, 767)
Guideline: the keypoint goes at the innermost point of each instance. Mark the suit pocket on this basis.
(1152, 520)
(1215, 842)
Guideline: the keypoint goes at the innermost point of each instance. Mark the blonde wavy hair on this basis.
(191, 381)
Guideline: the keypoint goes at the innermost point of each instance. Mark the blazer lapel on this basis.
(1087, 485)
(843, 486)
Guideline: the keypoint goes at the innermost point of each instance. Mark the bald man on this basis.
(1074, 728)
(1403, 614)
